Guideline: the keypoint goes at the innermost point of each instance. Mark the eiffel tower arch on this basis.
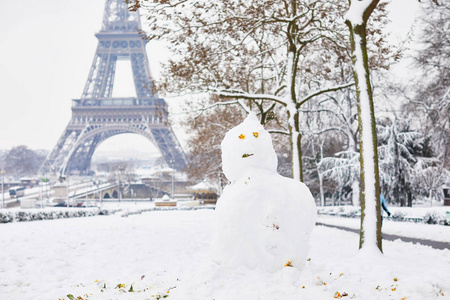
(97, 116)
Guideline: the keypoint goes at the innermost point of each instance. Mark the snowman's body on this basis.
(263, 220)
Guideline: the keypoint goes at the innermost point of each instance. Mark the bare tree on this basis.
(123, 173)
(207, 130)
(22, 161)
(259, 52)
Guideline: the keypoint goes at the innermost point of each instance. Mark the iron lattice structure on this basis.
(97, 116)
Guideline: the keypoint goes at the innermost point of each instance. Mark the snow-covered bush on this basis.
(398, 216)
(348, 212)
(36, 215)
(6, 217)
(434, 217)
(23, 216)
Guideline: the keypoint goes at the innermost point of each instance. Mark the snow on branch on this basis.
(342, 168)
(278, 131)
(359, 11)
(319, 132)
(243, 95)
(323, 91)
(201, 110)
(339, 115)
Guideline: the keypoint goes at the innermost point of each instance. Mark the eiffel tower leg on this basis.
(141, 74)
(81, 158)
(57, 156)
(169, 147)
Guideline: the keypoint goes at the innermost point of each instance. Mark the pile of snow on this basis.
(263, 220)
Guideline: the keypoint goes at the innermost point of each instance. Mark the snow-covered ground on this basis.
(165, 253)
(334, 215)
(438, 233)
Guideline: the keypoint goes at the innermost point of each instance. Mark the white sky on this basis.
(46, 53)
(47, 48)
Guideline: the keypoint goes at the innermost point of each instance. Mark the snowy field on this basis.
(164, 254)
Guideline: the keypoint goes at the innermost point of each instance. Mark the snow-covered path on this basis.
(157, 251)
(438, 233)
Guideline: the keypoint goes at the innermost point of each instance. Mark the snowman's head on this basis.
(247, 147)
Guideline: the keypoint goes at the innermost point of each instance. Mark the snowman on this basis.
(263, 220)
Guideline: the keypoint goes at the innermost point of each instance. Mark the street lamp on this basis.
(66, 177)
(101, 193)
(173, 175)
(121, 169)
(41, 191)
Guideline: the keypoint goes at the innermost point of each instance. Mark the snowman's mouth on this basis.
(245, 155)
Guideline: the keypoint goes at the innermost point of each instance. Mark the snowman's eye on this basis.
(242, 136)
(255, 134)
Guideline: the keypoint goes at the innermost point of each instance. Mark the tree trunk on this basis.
(398, 197)
(322, 196)
(355, 196)
(293, 116)
(296, 148)
(370, 234)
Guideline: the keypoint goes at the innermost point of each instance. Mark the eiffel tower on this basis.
(97, 116)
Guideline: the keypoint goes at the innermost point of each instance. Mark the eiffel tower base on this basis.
(90, 126)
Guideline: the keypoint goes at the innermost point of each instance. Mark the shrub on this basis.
(398, 216)
(433, 217)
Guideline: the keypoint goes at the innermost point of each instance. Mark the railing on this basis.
(117, 102)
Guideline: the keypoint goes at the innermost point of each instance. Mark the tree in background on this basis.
(317, 148)
(2, 159)
(398, 149)
(123, 173)
(21, 161)
(429, 177)
(122, 170)
(334, 119)
(431, 100)
(207, 130)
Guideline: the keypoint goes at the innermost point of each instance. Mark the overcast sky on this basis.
(47, 48)
(46, 52)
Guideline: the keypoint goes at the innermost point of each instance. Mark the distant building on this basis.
(205, 192)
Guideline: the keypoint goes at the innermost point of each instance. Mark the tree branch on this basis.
(326, 90)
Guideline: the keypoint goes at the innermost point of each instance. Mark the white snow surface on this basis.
(263, 220)
(433, 232)
(163, 253)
